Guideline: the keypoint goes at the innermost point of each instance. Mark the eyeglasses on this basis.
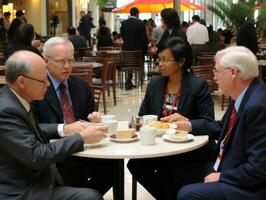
(62, 62)
(164, 61)
(44, 81)
(216, 71)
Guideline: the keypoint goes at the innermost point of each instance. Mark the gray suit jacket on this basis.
(27, 169)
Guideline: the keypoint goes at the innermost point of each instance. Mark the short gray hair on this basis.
(241, 58)
(48, 45)
(15, 67)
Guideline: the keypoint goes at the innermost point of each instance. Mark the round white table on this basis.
(115, 150)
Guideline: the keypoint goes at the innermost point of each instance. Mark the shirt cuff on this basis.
(60, 130)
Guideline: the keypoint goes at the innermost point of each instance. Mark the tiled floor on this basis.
(128, 103)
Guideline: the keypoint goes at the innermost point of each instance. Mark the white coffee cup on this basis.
(147, 135)
(147, 119)
(107, 117)
(112, 125)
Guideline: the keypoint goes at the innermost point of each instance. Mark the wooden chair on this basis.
(84, 73)
(84, 51)
(132, 61)
(206, 72)
(2, 58)
(205, 60)
(97, 92)
(110, 78)
(101, 73)
(105, 48)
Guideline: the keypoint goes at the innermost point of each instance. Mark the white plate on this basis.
(168, 138)
(114, 139)
(103, 142)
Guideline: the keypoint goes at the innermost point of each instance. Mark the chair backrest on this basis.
(84, 73)
(105, 48)
(2, 58)
(206, 72)
(92, 59)
(205, 60)
(97, 92)
(84, 51)
(132, 58)
(111, 71)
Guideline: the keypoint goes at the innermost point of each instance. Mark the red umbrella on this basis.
(155, 6)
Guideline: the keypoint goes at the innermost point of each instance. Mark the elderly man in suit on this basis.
(62, 114)
(27, 159)
(239, 171)
(133, 32)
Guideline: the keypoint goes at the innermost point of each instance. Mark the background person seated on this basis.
(78, 41)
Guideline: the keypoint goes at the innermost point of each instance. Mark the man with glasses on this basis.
(67, 102)
(27, 159)
(239, 171)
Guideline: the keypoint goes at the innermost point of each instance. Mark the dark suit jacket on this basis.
(134, 34)
(247, 36)
(243, 168)
(49, 110)
(26, 159)
(195, 103)
(195, 98)
(176, 32)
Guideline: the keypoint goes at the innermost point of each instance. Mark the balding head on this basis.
(26, 74)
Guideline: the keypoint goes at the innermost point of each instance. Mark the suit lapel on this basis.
(244, 101)
(27, 116)
(184, 92)
(159, 95)
(53, 100)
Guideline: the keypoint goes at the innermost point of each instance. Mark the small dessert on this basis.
(160, 125)
(179, 134)
(125, 133)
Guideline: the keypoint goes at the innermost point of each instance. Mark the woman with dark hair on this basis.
(171, 23)
(104, 38)
(176, 92)
(22, 39)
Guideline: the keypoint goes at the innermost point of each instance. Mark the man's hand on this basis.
(75, 127)
(183, 125)
(95, 117)
(94, 133)
(213, 177)
(174, 117)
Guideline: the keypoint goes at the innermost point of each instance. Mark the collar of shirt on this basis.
(239, 99)
(56, 84)
(170, 31)
(25, 104)
(133, 17)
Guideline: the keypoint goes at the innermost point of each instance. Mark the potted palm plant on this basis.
(233, 15)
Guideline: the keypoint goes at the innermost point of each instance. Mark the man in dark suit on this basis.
(27, 159)
(134, 35)
(239, 171)
(247, 36)
(78, 41)
(85, 26)
(58, 53)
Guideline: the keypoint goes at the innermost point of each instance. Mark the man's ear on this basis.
(20, 81)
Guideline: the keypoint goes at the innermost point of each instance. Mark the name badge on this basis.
(170, 107)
